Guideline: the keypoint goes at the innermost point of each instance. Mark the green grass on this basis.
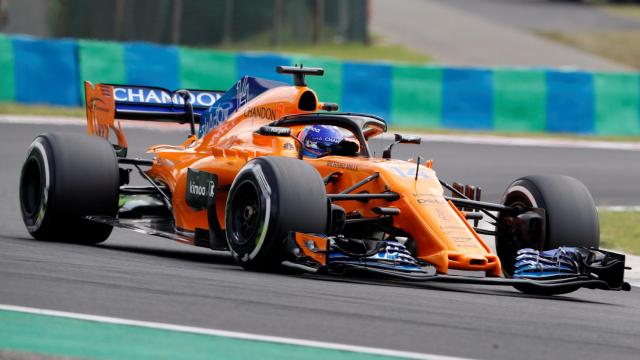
(344, 51)
(376, 50)
(40, 110)
(620, 230)
(622, 46)
(627, 11)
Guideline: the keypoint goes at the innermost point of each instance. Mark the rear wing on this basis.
(106, 103)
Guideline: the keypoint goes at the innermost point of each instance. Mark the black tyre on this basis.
(66, 177)
(571, 217)
(270, 197)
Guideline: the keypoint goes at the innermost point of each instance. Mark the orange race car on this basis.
(277, 177)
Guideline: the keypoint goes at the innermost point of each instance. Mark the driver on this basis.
(320, 140)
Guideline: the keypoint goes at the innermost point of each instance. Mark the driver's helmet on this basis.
(319, 140)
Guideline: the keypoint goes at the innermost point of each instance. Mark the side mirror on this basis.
(330, 107)
(400, 139)
(405, 139)
(274, 131)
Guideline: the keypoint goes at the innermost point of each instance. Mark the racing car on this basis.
(242, 182)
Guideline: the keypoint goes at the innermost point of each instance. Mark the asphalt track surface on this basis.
(545, 15)
(484, 32)
(144, 278)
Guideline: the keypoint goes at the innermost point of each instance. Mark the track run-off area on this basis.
(146, 297)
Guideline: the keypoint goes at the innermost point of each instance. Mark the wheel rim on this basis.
(507, 250)
(245, 213)
(32, 188)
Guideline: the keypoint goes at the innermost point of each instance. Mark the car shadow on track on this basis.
(188, 254)
(214, 257)
(224, 258)
(457, 288)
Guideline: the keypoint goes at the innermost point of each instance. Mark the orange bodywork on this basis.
(101, 111)
(315, 247)
(443, 236)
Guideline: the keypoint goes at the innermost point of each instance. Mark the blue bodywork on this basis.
(392, 256)
(241, 93)
(149, 99)
(534, 264)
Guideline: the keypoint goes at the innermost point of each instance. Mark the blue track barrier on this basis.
(263, 66)
(153, 65)
(46, 71)
(37, 71)
(467, 96)
(570, 102)
(366, 88)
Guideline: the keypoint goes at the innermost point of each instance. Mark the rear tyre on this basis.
(64, 178)
(571, 217)
(270, 197)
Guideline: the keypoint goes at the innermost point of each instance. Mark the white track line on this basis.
(449, 138)
(620, 208)
(71, 121)
(524, 141)
(229, 334)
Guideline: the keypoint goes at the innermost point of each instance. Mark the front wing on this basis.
(319, 254)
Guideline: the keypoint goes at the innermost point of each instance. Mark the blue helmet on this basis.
(319, 140)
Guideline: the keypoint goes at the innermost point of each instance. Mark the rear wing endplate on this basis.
(106, 103)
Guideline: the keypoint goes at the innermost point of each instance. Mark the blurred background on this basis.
(496, 89)
(607, 29)
(192, 22)
(514, 66)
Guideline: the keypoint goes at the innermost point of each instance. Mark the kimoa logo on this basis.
(197, 190)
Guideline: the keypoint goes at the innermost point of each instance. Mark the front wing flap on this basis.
(391, 261)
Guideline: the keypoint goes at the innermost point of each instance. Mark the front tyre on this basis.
(270, 197)
(571, 217)
(64, 178)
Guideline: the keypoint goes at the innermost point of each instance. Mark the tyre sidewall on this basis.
(293, 199)
(571, 217)
(254, 252)
(82, 177)
(39, 222)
